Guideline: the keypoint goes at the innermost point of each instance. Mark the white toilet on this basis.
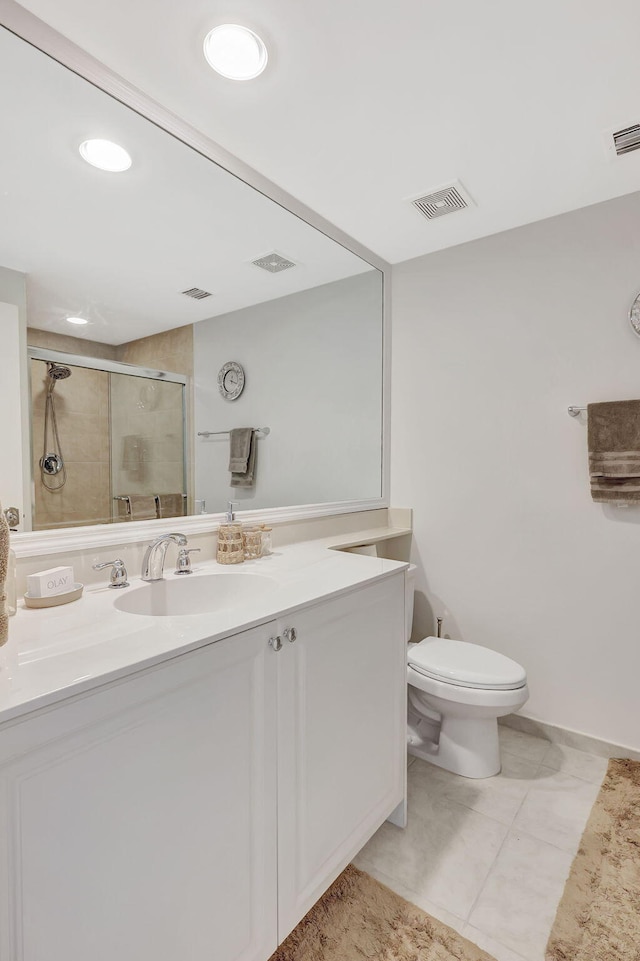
(457, 692)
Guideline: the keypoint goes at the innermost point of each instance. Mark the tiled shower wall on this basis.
(169, 350)
(82, 410)
(71, 345)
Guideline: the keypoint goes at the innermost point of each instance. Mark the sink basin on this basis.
(195, 594)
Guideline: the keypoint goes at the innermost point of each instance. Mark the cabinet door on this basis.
(341, 737)
(139, 821)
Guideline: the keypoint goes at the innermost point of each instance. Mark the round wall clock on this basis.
(634, 315)
(231, 380)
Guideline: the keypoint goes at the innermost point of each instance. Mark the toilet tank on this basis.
(409, 587)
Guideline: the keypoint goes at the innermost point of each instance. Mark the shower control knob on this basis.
(276, 643)
(51, 463)
(290, 634)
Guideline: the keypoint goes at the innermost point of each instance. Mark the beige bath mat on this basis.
(598, 918)
(358, 919)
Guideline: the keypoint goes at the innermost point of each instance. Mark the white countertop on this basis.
(59, 652)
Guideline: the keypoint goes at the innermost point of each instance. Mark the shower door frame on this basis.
(109, 367)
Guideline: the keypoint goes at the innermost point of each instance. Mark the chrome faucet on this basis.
(153, 561)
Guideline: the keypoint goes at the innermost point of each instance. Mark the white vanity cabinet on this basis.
(341, 737)
(138, 820)
(163, 815)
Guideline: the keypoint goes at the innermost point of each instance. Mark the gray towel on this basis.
(239, 449)
(614, 451)
(246, 477)
(142, 507)
(170, 505)
(122, 509)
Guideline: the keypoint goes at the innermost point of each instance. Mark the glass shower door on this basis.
(147, 448)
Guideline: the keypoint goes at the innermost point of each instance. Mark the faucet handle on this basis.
(118, 575)
(183, 565)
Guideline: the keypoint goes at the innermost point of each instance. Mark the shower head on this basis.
(58, 371)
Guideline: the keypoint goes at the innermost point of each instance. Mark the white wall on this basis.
(11, 460)
(313, 368)
(15, 475)
(492, 341)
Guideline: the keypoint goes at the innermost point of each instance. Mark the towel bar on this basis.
(574, 411)
(125, 497)
(212, 433)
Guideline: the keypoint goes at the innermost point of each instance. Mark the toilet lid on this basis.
(467, 665)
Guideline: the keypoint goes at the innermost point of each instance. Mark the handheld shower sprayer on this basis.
(52, 461)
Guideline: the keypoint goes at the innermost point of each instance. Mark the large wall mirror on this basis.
(207, 307)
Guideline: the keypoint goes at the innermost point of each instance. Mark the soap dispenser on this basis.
(230, 546)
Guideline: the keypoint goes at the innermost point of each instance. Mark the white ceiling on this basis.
(366, 104)
(118, 249)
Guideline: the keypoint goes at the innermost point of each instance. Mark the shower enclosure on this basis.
(107, 440)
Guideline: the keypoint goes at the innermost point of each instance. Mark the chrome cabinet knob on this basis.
(276, 642)
(290, 634)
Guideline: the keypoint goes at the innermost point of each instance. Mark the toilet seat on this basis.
(465, 665)
(458, 697)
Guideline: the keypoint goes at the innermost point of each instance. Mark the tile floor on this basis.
(491, 857)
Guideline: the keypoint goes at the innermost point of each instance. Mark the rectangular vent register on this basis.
(196, 293)
(445, 200)
(627, 140)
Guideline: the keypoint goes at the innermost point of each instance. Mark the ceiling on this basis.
(118, 249)
(367, 104)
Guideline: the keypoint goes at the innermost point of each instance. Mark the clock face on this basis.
(231, 380)
(634, 315)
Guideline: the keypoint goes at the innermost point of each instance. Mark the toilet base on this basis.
(466, 746)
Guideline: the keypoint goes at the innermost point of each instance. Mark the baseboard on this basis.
(568, 738)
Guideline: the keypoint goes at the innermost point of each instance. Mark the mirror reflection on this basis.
(108, 441)
(171, 313)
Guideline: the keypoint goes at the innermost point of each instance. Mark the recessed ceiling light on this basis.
(77, 320)
(235, 52)
(106, 155)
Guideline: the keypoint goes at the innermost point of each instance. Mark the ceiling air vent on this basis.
(196, 293)
(445, 200)
(627, 140)
(274, 263)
